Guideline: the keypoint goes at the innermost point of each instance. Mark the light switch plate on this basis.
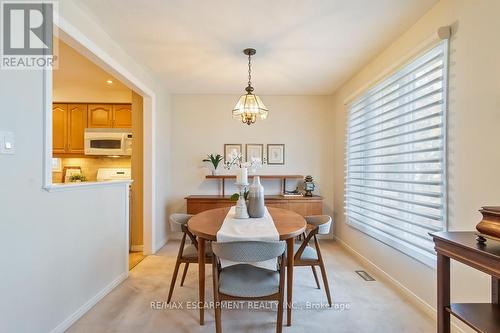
(7, 145)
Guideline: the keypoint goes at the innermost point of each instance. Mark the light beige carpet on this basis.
(373, 306)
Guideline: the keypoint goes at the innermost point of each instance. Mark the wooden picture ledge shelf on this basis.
(282, 178)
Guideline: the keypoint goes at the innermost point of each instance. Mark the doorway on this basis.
(141, 103)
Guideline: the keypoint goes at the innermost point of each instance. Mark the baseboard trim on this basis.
(62, 327)
(160, 244)
(428, 309)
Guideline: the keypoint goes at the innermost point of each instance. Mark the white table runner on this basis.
(252, 229)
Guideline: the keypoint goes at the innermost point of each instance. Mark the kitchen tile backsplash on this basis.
(90, 165)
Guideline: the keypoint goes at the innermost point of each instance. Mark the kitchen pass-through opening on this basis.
(97, 133)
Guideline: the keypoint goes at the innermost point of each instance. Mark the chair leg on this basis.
(279, 322)
(172, 283)
(215, 278)
(315, 276)
(176, 269)
(186, 266)
(323, 271)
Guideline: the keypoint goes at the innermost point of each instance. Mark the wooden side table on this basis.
(463, 247)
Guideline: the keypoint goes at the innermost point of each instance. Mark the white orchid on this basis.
(234, 159)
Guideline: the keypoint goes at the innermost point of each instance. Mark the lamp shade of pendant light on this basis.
(249, 106)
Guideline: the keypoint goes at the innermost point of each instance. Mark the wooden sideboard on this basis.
(463, 247)
(301, 205)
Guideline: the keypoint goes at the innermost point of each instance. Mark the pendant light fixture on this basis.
(249, 106)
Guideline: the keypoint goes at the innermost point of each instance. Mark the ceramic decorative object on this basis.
(489, 227)
(256, 198)
(241, 210)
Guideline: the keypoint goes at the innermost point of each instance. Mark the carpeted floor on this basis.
(361, 306)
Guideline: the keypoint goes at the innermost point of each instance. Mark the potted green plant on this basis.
(77, 178)
(215, 161)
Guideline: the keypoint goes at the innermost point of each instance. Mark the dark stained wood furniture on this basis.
(186, 258)
(313, 260)
(304, 206)
(219, 296)
(206, 224)
(463, 247)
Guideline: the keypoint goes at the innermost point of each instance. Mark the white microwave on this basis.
(108, 141)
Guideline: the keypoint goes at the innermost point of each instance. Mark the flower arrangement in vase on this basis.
(235, 159)
(255, 195)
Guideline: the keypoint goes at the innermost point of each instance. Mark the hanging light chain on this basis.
(249, 71)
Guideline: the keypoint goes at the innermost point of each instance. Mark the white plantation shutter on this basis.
(395, 187)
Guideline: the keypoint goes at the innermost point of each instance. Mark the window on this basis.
(396, 156)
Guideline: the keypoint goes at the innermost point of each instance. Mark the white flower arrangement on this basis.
(234, 159)
(254, 164)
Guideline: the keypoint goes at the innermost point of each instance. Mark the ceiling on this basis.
(304, 47)
(75, 70)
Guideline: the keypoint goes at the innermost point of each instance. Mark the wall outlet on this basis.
(7, 145)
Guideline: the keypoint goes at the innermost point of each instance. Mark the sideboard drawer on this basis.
(301, 205)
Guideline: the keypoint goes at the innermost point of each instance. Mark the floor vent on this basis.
(365, 276)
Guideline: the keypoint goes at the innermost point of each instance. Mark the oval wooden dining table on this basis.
(206, 224)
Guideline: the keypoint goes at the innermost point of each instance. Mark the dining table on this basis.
(206, 224)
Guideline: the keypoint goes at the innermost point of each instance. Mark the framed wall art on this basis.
(254, 150)
(276, 154)
(229, 148)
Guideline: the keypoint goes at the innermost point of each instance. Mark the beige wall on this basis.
(74, 93)
(202, 124)
(474, 119)
(67, 249)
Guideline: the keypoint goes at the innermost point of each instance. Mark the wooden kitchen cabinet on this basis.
(100, 115)
(59, 128)
(69, 121)
(110, 116)
(77, 122)
(68, 125)
(122, 116)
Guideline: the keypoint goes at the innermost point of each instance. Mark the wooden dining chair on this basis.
(306, 255)
(187, 254)
(247, 282)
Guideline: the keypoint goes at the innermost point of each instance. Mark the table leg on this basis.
(201, 278)
(289, 281)
(495, 290)
(443, 293)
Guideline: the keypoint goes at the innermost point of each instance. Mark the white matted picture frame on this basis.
(254, 150)
(230, 147)
(275, 154)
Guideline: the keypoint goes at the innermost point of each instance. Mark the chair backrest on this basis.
(248, 251)
(178, 220)
(323, 222)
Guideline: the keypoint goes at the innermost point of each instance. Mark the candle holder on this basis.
(241, 211)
